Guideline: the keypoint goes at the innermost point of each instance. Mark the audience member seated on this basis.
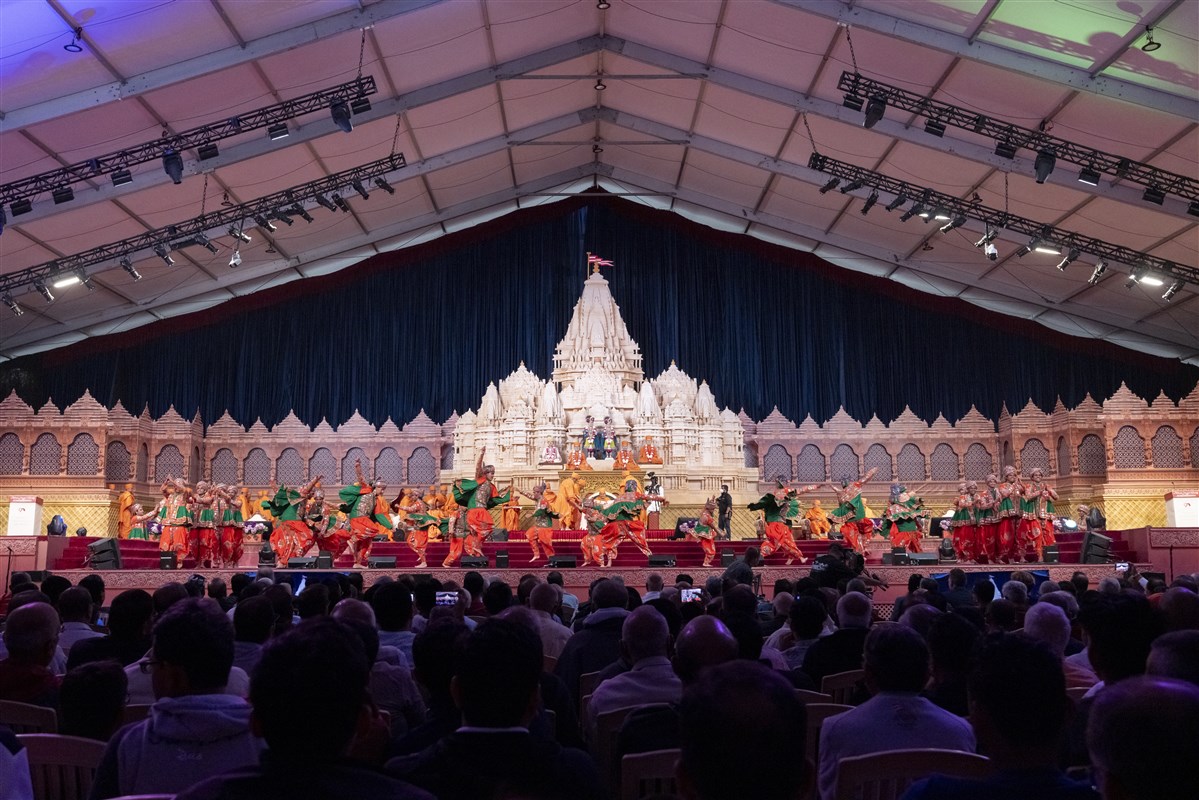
(91, 700)
(1068, 603)
(253, 619)
(495, 686)
(597, 643)
(807, 620)
(1047, 623)
(15, 780)
(1141, 736)
(31, 637)
(474, 583)
(1175, 655)
(951, 639)
(391, 686)
(496, 597)
(1018, 710)
(741, 571)
(841, 650)
(433, 667)
(554, 635)
(58, 662)
(313, 601)
(194, 730)
(919, 617)
(392, 604)
(896, 717)
(644, 643)
(303, 762)
(773, 616)
(53, 586)
(218, 590)
(1180, 609)
(741, 727)
(958, 595)
(128, 636)
(1001, 615)
(75, 611)
(984, 593)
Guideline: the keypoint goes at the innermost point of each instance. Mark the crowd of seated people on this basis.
(417, 687)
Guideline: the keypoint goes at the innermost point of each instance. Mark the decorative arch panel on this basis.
(910, 463)
(777, 461)
(289, 470)
(12, 454)
(944, 463)
(257, 468)
(1092, 460)
(1167, 448)
(83, 456)
(1034, 455)
(843, 463)
(422, 467)
(168, 463)
(354, 455)
(1129, 449)
(977, 462)
(390, 467)
(224, 466)
(811, 465)
(118, 462)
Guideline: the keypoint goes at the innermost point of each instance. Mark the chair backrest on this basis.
(62, 767)
(1076, 693)
(548, 663)
(135, 712)
(649, 774)
(805, 696)
(607, 729)
(27, 718)
(817, 714)
(587, 683)
(841, 685)
(886, 776)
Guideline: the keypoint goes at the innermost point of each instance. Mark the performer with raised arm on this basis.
(175, 515)
(705, 531)
(291, 537)
(479, 496)
(902, 519)
(850, 516)
(541, 527)
(775, 507)
(1037, 512)
(419, 523)
(965, 532)
(368, 515)
(624, 521)
(138, 520)
(1008, 514)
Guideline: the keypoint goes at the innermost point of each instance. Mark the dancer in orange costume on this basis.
(965, 531)
(541, 527)
(226, 510)
(850, 515)
(204, 544)
(363, 502)
(986, 521)
(592, 544)
(705, 531)
(291, 537)
(902, 519)
(176, 518)
(480, 496)
(1008, 514)
(1037, 512)
(419, 522)
(329, 530)
(777, 507)
(624, 521)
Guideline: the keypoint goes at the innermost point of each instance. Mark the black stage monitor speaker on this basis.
(563, 562)
(473, 562)
(266, 556)
(899, 557)
(499, 535)
(662, 561)
(104, 554)
(168, 560)
(501, 559)
(324, 560)
(381, 562)
(1051, 555)
(304, 562)
(1096, 548)
(727, 557)
(922, 559)
(945, 550)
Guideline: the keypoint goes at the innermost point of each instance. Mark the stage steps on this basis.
(135, 554)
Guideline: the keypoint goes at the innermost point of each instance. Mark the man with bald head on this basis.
(645, 644)
(31, 637)
(544, 598)
(1175, 655)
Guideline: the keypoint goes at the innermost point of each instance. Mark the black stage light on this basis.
(325, 201)
(1005, 150)
(1068, 259)
(874, 111)
(1173, 290)
(384, 185)
(1088, 176)
(358, 187)
(275, 133)
(127, 265)
(340, 202)
(869, 204)
(1097, 273)
(935, 128)
(341, 115)
(162, 252)
(828, 187)
(360, 105)
(207, 151)
(1152, 195)
(899, 200)
(1044, 164)
(122, 177)
(63, 194)
(44, 291)
(172, 165)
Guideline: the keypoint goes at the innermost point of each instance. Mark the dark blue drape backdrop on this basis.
(429, 327)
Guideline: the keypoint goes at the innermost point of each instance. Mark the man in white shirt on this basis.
(653, 588)
(896, 717)
(75, 610)
(645, 643)
(542, 600)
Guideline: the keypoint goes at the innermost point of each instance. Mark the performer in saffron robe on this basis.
(541, 527)
(291, 536)
(648, 454)
(568, 505)
(850, 516)
(510, 514)
(367, 511)
(965, 536)
(1008, 514)
(176, 518)
(818, 524)
(480, 496)
(705, 531)
(775, 506)
(125, 503)
(624, 458)
(137, 522)
(1037, 512)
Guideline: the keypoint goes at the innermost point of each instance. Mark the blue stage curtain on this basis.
(428, 328)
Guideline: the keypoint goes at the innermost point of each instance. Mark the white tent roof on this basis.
(494, 105)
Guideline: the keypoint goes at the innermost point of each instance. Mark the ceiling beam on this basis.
(997, 56)
(210, 62)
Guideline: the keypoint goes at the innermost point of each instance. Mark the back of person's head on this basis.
(783, 585)
(920, 617)
(253, 620)
(433, 657)
(237, 583)
(1120, 629)
(781, 604)
(473, 582)
(195, 586)
(1015, 592)
(19, 579)
(895, 659)
(702, 643)
(193, 645)
(313, 601)
(654, 582)
(1046, 587)
(392, 604)
(1047, 623)
(951, 639)
(95, 587)
(555, 578)
(1109, 585)
(315, 671)
(130, 614)
(1180, 609)
(279, 596)
(1001, 615)
(984, 591)
(914, 582)
(752, 555)
(742, 713)
(367, 634)
(714, 586)
(740, 599)
(1175, 655)
(352, 608)
(1011, 675)
(91, 699)
(544, 597)
(1067, 602)
(218, 589)
(1025, 577)
(609, 594)
(75, 605)
(525, 588)
(265, 573)
(497, 673)
(496, 597)
(1080, 581)
(670, 612)
(53, 586)
(807, 617)
(930, 585)
(31, 634)
(853, 610)
(644, 634)
(425, 596)
(957, 577)
(167, 595)
(1141, 734)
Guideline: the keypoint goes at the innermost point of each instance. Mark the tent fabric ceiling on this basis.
(705, 112)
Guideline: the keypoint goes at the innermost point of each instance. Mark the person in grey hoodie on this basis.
(194, 730)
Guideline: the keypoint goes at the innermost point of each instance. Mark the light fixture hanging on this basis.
(603, 5)
(956, 222)
(235, 259)
(324, 201)
(81, 274)
(1044, 164)
(934, 127)
(73, 46)
(599, 83)
(988, 236)
(869, 204)
(991, 251)
(382, 183)
(1173, 290)
(899, 200)
(341, 115)
(341, 203)
(1149, 46)
(202, 240)
(277, 132)
(1089, 176)
(162, 252)
(172, 165)
(207, 151)
(127, 265)
(12, 305)
(358, 187)
(828, 187)
(240, 235)
(122, 177)
(852, 186)
(43, 291)
(1097, 273)
(875, 108)
(1069, 258)
(1152, 195)
(261, 221)
(301, 212)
